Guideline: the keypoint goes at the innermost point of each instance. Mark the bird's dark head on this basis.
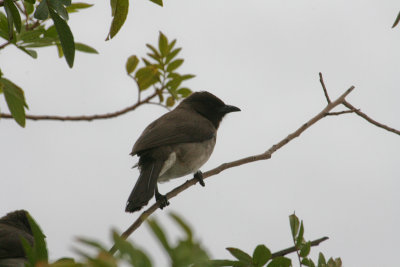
(209, 106)
(18, 219)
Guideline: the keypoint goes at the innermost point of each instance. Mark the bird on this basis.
(176, 144)
(14, 226)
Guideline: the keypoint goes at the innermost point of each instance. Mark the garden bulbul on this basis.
(13, 226)
(176, 144)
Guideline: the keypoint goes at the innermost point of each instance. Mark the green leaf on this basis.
(240, 255)
(261, 255)
(159, 233)
(93, 244)
(280, 262)
(31, 35)
(42, 11)
(294, 225)
(136, 257)
(174, 65)
(13, 16)
(158, 2)
(3, 26)
(80, 5)
(113, 4)
(185, 227)
(39, 246)
(30, 52)
(184, 92)
(300, 238)
(321, 260)
(305, 249)
(217, 263)
(66, 37)
(147, 76)
(170, 101)
(29, 6)
(85, 48)
(30, 1)
(396, 21)
(120, 14)
(131, 64)
(187, 77)
(163, 44)
(172, 55)
(308, 262)
(152, 48)
(15, 99)
(57, 6)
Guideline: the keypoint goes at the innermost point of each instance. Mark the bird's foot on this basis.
(162, 199)
(199, 176)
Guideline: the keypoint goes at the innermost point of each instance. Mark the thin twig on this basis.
(264, 156)
(363, 115)
(5, 44)
(293, 249)
(321, 79)
(85, 117)
(339, 112)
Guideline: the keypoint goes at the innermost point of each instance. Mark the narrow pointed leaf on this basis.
(12, 15)
(158, 2)
(163, 44)
(172, 55)
(182, 224)
(39, 246)
(396, 21)
(240, 255)
(66, 37)
(321, 260)
(30, 52)
(300, 238)
(58, 6)
(15, 99)
(294, 225)
(174, 65)
(159, 233)
(85, 48)
(120, 14)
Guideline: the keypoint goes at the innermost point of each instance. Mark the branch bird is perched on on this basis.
(176, 144)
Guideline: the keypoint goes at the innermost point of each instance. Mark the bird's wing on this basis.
(175, 127)
(10, 242)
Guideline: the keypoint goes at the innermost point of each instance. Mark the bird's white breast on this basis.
(186, 159)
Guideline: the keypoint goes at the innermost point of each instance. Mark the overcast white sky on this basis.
(341, 176)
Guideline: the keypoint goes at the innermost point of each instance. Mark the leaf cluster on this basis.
(159, 71)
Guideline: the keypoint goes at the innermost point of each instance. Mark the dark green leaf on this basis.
(51, 32)
(300, 238)
(240, 255)
(159, 233)
(217, 263)
(58, 7)
(158, 2)
(121, 12)
(3, 26)
(13, 12)
(170, 101)
(174, 65)
(396, 21)
(85, 48)
(163, 44)
(261, 255)
(65, 2)
(131, 64)
(113, 4)
(172, 55)
(184, 92)
(307, 262)
(30, 1)
(15, 99)
(66, 37)
(294, 225)
(280, 262)
(305, 249)
(31, 35)
(185, 227)
(174, 84)
(42, 11)
(30, 52)
(42, 42)
(321, 260)
(147, 76)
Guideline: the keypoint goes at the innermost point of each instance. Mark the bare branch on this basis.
(85, 117)
(363, 115)
(293, 249)
(266, 155)
(339, 113)
(321, 80)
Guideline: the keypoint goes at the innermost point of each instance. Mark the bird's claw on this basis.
(199, 176)
(162, 199)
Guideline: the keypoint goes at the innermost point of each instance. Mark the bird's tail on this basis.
(145, 186)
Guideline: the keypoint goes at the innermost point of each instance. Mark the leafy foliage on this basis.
(186, 252)
(159, 71)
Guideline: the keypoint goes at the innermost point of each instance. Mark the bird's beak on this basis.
(228, 108)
